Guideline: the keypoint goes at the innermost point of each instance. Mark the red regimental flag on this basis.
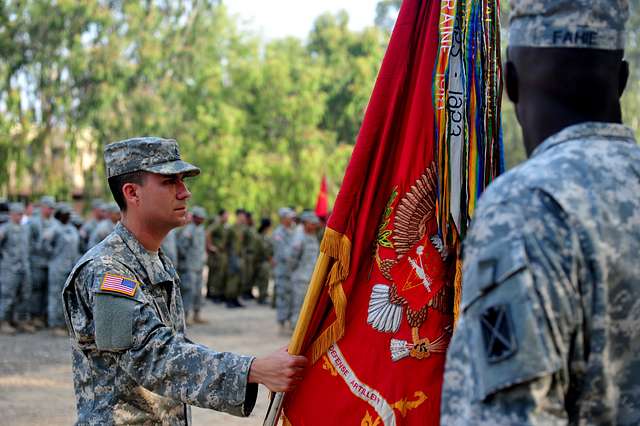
(378, 315)
(322, 204)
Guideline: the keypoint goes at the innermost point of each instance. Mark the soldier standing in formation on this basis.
(218, 259)
(106, 225)
(281, 238)
(88, 228)
(39, 224)
(62, 243)
(191, 260)
(131, 359)
(170, 246)
(15, 273)
(302, 260)
(263, 259)
(549, 331)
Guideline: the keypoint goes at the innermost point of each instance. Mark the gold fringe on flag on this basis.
(332, 268)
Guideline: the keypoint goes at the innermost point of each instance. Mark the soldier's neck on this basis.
(150, 237)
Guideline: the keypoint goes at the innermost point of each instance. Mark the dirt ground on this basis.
(35, 370)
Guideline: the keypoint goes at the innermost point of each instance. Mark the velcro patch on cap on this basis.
(119, 284)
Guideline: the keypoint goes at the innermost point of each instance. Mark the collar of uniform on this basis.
(588, 130)
(153, 271)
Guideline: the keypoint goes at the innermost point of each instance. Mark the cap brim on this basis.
(173, 168)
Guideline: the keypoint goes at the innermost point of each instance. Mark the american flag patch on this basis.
(119, 284)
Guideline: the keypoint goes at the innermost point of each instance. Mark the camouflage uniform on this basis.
(218, 261)
(62, 241)
(88, 228)
(235, 251)
(191, 260)
(263, 255)
(302, 260)
(104, 227)
(39, 259)
(281, 239)
(249, 248)
(170, 247)
(131, 360)
(549, 332)
(15, 272)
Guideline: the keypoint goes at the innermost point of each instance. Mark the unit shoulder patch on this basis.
(119, 284)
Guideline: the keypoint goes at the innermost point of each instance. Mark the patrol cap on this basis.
(48, 200)
(97, 203)
(149, 154)
(309, 217)
(286, 212)
(111, 208)
(588, 24)
(199, 212)
(64, 208)
(16, 207)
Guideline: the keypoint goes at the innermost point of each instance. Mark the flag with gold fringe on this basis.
(379, 312)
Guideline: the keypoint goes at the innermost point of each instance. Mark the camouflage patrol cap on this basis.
(48, 200)
(16, 208)
(587, 24)
(64, 208)
(199, 212)
(309, 217)
(286, 212)
(149, 154)
(97, 203)
(111, 207)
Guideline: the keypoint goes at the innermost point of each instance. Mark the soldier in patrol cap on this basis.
(39, 258)
(131, 360)
(191, 242)
(549, 331)
(302, 260)
(15, 273)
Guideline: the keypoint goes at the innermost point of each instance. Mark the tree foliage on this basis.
(264, 120)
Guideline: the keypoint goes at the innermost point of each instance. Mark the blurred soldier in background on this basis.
(281, 239)
(170, 246)
(249, 248)
(263, 258)
(235, 251)
(302, 260)
(191, 260)
(62, 242)
(97, 215)
(106, 225)
(217, 237)
(15, 272)
(41, 221)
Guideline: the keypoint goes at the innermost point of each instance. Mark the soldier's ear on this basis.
(130, 193)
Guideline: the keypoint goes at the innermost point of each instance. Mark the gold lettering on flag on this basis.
(359, 388)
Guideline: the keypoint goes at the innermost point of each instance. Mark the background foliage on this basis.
(263, 119)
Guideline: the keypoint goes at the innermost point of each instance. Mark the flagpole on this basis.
(306, 312)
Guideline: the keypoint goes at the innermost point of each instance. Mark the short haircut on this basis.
(117, 182)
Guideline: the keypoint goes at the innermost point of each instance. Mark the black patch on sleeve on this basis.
(497, 333)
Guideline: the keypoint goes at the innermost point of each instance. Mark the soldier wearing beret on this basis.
(131, 360)
(549, 331)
